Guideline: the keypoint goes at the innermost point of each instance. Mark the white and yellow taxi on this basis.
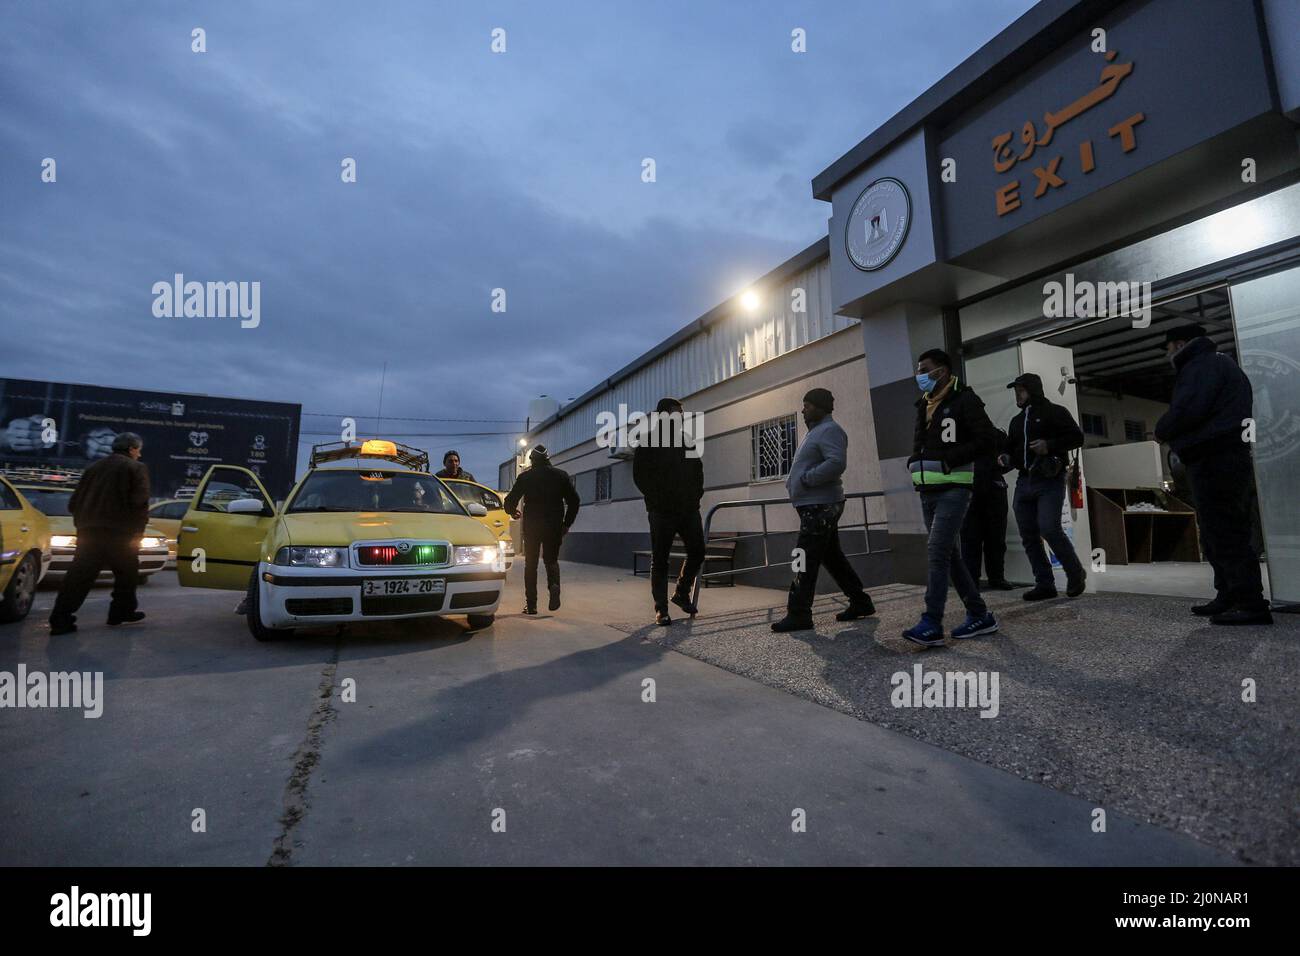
(367, 534)
(24, 552)
(494, 518)
(50, 492)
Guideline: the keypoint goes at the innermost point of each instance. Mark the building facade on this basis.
(1099, 172)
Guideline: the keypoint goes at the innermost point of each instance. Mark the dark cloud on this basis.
(475, 172)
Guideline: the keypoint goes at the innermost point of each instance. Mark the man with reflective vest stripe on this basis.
(1039, 441)
(952, 430)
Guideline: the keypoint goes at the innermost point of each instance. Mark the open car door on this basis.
(496, 520)
(218, 548)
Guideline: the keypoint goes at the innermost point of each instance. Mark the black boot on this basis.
(683, 601)
(1039, 593)
(793, 622)
(130, 617)
(1209, 609)
(662, 618)
(859, 607)
(1241, 615)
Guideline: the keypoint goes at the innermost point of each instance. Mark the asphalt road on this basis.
(529, 743)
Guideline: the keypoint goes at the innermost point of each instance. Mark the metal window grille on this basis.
(604, 484)
(1135, 430)
(773, 448)
(1093, 424)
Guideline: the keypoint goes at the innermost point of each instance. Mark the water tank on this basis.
(541, 408)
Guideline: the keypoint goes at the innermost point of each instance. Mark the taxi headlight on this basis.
(151, 542)
(312, 557)
(63, 541)
(478, 554)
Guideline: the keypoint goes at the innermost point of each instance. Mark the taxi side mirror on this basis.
(476, 509)
(246, 506)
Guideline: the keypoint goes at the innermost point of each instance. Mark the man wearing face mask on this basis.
(817, 494)
(952, 430)
(1040, 440)
(1204, 426)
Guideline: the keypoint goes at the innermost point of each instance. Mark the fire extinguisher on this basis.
(1076, 482)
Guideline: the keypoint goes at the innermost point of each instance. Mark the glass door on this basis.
(1267, 313)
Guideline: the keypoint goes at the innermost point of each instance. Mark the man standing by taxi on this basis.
(550, 508)
(451, 468)
(110, 508)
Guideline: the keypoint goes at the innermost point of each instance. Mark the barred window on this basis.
(604, 484)
(1135, 430)
(1093, 424)
(773, 443)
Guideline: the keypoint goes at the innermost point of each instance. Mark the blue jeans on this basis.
(1037, 505)
(944, 512)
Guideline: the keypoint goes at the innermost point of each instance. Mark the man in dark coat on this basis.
(550, 508)
(1039, 442)
(984, 533)
(451, 468)
(952, 431)
(1205, 426)
(673, 484)
(110, 508)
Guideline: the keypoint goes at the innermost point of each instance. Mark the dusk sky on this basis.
(475, 170)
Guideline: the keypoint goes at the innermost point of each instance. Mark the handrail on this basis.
(866, 525)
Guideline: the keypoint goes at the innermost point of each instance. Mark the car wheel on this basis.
(479, 621)
(18, 596)
(259, 630)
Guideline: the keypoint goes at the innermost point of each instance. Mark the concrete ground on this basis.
(533, 742)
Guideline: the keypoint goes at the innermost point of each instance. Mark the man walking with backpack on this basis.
(1040, 440)
(952, 430)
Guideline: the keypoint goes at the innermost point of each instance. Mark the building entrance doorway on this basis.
(1137, 521)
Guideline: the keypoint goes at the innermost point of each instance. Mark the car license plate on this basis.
(387, 586)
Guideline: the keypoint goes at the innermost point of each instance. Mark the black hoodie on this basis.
(1048, 421)
(1212, 397)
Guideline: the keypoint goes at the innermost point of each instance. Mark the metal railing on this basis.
(762, 503)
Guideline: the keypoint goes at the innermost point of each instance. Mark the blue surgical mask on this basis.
(924, 382)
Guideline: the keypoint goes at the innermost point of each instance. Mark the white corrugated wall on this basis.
(713, 355)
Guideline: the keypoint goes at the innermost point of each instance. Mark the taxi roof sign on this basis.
(412, 458)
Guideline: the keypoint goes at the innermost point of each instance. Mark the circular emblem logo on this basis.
(403, 547)
(878, 224)
(1277, 422)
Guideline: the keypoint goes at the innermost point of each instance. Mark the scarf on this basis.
(934, 399)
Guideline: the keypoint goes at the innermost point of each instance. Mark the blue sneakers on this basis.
(927, 632)
(986, 623)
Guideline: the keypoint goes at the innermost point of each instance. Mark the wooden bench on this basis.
(719, 549)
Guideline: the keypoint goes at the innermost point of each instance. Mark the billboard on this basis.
(50, 424)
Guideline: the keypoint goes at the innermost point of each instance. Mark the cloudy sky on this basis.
(475, 171)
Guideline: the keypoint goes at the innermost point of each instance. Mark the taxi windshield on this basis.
(53, 503)
(373, 491)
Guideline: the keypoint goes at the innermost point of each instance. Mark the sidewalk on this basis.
(1124, 700)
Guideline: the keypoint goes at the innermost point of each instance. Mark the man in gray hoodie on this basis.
(817, 494)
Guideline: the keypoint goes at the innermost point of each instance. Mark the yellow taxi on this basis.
(24, 552)
(367, 534)
(166, 516)
(495, 520)
(50, 492)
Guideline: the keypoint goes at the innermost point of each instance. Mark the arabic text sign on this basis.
(1082, 120)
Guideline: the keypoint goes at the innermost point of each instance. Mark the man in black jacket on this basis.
(673, 484)
(1205, 427)
(952, 430)
(550, 508)
(110, 508)
(984, 533)
(1039, 441)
